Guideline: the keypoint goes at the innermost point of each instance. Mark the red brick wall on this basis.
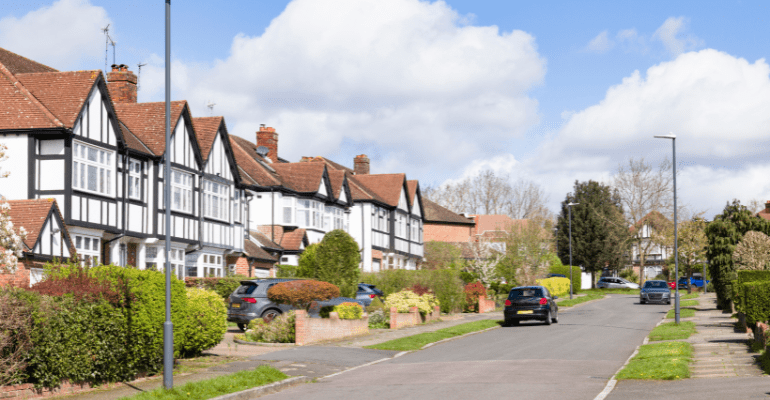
(121, 84)
(243, 267)
(486, 305)
(447, 233)
(402, 320)
(312, 330)
(21, 277)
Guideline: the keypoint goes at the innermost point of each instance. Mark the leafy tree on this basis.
(724, 233)
(527, 245)
(753, 251)
(441, 255)
(692, 245)
(599, 232)
(308, 264)
(338, 258)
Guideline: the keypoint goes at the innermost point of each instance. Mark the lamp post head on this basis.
(669, 136)
(572, 204)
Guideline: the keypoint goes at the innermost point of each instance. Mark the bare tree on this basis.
(484, 261)
(489, 193)
(755, 206)
(646, 195)
(527, 245)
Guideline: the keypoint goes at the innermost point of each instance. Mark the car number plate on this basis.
(525, 312)
(235, 305)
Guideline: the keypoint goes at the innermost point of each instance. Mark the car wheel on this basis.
(668, 302)
(548, 318)
(514, 322)
(270, 314)
(642, 301)
(242, 327)
(556, 318)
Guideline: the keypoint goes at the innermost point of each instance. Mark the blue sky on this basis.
(545, 91)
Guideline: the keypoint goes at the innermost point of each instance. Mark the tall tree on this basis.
(646, 194)
(337, 258)
(599, 232)
(527, 246)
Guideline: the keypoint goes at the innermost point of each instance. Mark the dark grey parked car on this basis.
(655, 291)
(250, 301)
(528, 303)
(367, 293)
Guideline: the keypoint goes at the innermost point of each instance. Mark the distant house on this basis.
(47, 239)
(655, 255)
(444, 225)
(766, 212)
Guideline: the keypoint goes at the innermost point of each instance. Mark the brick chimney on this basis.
(361, 165)
(122, 84)
(267, 137)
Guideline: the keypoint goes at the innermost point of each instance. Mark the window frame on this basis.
(88, 256)
(185, 191)
(211, 198)
(135, 179)
(104, 168)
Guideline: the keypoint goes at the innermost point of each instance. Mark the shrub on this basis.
(379, 320)
(406, 299)
(375, 305)
(577, 276)
(502, 288)
(224, 286)
(206, 320)
(287, 271)
(77, 283)
(308, 264)
(15, 337)
(280, 330)
(349, 310)
(420, 289)
(557, 285)
(753, 276)
(445, 284)
(302, 292)
(756, 301)
(472, 293)
(337, 257)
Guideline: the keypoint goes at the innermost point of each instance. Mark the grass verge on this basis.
(581, 299)
(689, 296)
(416, 342)
(688, 303)
(672, 331)
(659, 361)
(218, 386)
(683, 312)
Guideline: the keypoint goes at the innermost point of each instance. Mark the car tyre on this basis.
(556, 318)
(668, 302)
(242, 327)
(270, 314)
(548, 320)
(642, 302)
(514, 322)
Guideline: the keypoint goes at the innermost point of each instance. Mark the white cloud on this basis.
(671, 33)
(601, 43)
(61, 35)
(408, 78)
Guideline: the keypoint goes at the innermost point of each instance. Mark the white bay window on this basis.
(215, 197)
(181, 191)
(92, 169)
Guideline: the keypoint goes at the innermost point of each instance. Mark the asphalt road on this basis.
(573, 359)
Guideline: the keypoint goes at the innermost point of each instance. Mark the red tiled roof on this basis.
(337, 180)
(301, 177)
(387, 187)
(206, 129)
(291, 239)
(329, 163)
(486, 223)
(21, 110)
(254, 250)
(147, 121)
(20, 65)
(411, 187)
(764, 214)
(62, 93)
(654, 219)
(132, 141)
(264, 239)
(247, 158)
(438, 214)
(30, 214)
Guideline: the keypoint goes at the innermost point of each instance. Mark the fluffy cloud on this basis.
(716, 105)
(601, 43)
(409, 79)
(63, 35)
(671, 34)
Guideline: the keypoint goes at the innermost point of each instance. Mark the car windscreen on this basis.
(526, 292)
(247, 288)
(655, 285)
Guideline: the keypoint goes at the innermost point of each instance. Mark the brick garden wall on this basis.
(486, 305)
(402, 320)
(21, 277)
(313, 330)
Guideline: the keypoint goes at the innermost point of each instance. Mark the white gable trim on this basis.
(322, 189)
(402, 204)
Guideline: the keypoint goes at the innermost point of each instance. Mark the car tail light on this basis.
(371, 296)
(507, 302)
(250, 300)
(543, 301)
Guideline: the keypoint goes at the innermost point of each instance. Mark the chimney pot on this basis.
(361, 165)
(121, 84)
(266, 136)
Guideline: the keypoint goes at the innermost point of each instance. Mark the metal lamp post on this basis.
(676, 240)
(168, 327)
(569, 208)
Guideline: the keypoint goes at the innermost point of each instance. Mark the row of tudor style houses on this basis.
(86, 178)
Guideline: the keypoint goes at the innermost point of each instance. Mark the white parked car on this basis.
(609, 282)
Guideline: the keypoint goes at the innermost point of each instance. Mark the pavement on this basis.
(723, 364)
(313, 361)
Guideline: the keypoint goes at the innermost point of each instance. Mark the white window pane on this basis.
(109, 184)
(101, 180)
(91, 154)
(92, 177)
(75, 175)
(82, 176)
(86, 243)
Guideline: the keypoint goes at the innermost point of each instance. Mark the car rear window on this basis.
(248, 288)
(526, 293)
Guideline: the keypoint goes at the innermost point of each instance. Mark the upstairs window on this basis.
(134, 179)
(303, 212)
(237, 206)
(288, 210)
(92, 169)
(181, 191)
(215, 196)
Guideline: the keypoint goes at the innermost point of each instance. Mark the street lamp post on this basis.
(569, 208)
(676, 240)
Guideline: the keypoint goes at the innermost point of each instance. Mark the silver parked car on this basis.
(609, 282)
(655, 291)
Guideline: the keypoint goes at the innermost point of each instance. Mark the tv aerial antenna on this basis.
(107, 43)
(210, 104)
(139, 74)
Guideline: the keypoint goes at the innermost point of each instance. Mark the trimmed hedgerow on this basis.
(577, 276)
(301, 293)
(557, 285)
(472, 293)
(739, 298)
(444, 283)
(206, 320)
(349, 310)
(224, 286)
(756, 301)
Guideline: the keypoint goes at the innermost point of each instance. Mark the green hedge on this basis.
(206, 320)
(753, 276)
(756, 301)
(224, 286)
(444, 283)
(738, 287)
(564, 270)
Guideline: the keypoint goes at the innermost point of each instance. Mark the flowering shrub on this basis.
(379, 320)
(302, 292)
(84, 287)
(472, 293)
(557, 286)
(206, 320)
(11, 240)
(406, 299)
(420, 289)
(280, 330)
(349, 310)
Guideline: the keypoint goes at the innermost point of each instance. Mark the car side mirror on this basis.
(555, 297)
